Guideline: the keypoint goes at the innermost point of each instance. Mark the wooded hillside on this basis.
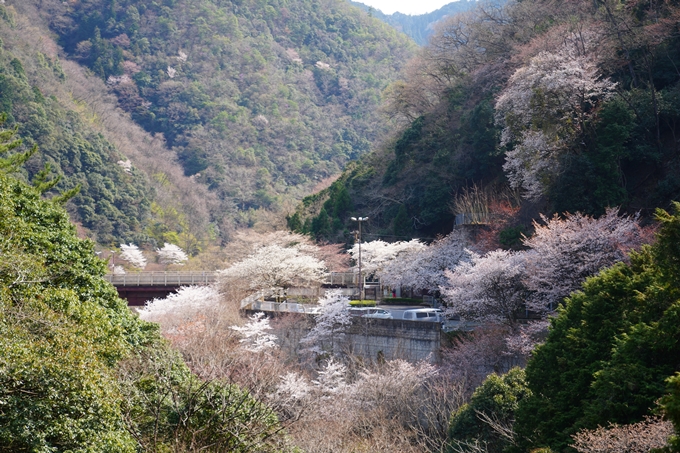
(574, 107)
(259, 101)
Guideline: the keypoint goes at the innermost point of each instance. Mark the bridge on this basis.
(140, 287)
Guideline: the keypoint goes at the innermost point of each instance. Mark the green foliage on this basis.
(292, 87)
(611, 348)
(496, 400)
(110, 202)
(401, 301)
(75, 373)
(333, 217)
(670, 404)
(62, 328)
(595, 180)
(403, 149)
(362, 303)
(169, 409)
(56, 392)
(511, 237)
(626, 153)
(410, 184)
(401, 224)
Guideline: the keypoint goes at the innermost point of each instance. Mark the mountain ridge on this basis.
(419, 26)
(256, 103)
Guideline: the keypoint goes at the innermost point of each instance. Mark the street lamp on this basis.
(361, 280)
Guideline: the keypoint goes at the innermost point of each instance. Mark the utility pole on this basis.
(361, 278)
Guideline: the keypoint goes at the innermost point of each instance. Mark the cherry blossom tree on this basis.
(171, 254)
(182, 314)
(525, 337)
(275, 268)
(255, 336)
(327, 335)
(375, 255)
(567, 250)
(392, 384)
(563, 252)
(293, 387)
(488, 288)
(331, 379)
(542, 112)
(132, 254)
(424, 268)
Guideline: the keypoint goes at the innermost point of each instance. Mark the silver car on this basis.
(370, 312)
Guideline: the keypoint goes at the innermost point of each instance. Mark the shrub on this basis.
(362, 303)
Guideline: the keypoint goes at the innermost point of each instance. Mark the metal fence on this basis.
(204, 278)
(162, 279)
(285, 307)
(342, 279)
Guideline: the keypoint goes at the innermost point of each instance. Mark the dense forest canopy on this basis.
(574, 106)
(111, 202)
(56, 105)
(259, 101)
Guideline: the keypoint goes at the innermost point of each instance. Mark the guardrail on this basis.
(285, 307)
(162, 279)
(206, 278)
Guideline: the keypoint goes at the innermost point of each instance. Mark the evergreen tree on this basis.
(610, 350)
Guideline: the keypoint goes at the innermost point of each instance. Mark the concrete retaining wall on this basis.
(395, 339)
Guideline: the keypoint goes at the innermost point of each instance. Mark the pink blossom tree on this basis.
(171, 254)
(567, 250)
(274, 268)
(326, 337)
(642, 437)
(488, 288)
(424, 268)
(331, 379)
(182, 312)
(375, 255)
(543, 110)
(563, 252)
(132, 254)
(255, 336)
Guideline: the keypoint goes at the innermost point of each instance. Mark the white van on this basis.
(424, 314)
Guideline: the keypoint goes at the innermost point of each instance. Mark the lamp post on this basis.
(361, 279)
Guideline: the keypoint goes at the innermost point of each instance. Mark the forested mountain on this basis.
(30, 78)
(419, 27)
(259, 101)
(56, 106)
(559, 107)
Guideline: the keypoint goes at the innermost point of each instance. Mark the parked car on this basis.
(424, 314)
(370, 312)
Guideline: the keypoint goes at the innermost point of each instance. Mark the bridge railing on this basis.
(342, 279)
(346, 279)
(162, 279)
(285, 307)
